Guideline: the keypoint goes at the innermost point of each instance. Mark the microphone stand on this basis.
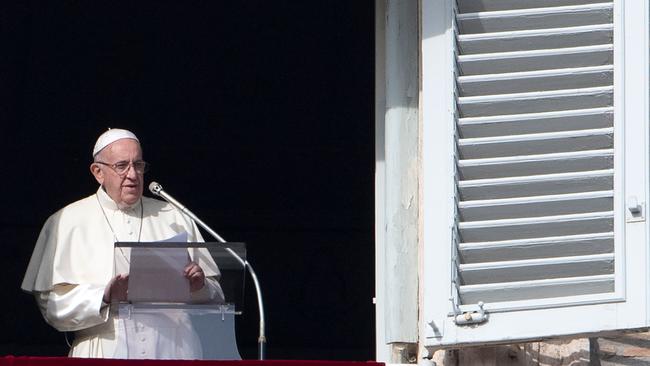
(157, 190)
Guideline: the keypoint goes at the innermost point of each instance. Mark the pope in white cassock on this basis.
(78, 279)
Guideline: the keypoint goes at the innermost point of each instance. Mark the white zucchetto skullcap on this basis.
(110, 136)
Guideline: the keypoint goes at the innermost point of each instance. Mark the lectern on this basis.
(163, 318)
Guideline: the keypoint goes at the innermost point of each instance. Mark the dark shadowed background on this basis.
(257, 115)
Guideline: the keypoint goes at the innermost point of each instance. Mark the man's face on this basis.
(125, 189)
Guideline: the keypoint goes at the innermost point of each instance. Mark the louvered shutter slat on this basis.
(535, 102)
(521, 228)
(472, 6)
(540, 289)
(535, 39)
(560, 183)
(512, 166)
(546, 80)
(535, 122)
(538, 269)
(519, 61)
(594, 243)
(549, 205)
(551, 142)
(535, 18)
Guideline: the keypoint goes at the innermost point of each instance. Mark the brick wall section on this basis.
(625, 349)
(620, 350)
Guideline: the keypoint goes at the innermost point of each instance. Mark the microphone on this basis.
(157, 190)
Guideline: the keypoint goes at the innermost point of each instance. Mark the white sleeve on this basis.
(73, 307)
(210, 292)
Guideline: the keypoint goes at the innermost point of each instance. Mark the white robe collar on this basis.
(107, 202)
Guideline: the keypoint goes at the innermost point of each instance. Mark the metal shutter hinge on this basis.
(472, 317)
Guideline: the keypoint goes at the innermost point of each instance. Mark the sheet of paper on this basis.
(156, 274)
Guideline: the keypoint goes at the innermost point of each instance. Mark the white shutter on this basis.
(539, 171)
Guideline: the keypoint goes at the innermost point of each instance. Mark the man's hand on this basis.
(116, 289)
(194, 273)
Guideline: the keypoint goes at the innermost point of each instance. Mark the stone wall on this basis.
(624, 350)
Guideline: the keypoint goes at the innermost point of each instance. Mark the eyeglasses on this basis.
(122, 167)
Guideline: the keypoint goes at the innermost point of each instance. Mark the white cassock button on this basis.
(143, 339)
(130, 232)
